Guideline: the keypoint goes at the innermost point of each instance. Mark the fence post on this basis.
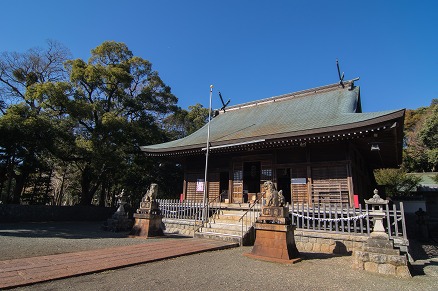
(402, 213)
(395, 220)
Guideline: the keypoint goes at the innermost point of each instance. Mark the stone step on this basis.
(230, 221)
(179, 231)
(233, 212)
(380, 243)
(226, 225)
(228, 216)
(386, 251)
(219, 236)
(237, 232)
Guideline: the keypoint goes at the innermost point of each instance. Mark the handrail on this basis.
(251, 207)
(253, 218)
(206, 209)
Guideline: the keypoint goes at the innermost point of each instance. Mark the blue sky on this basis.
(250, 50)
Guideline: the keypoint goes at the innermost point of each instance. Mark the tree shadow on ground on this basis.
(419, 269)
(424, 256)
(423, 250)
(67, 230)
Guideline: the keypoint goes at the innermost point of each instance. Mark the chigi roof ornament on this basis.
(223, 103)
(341, 78)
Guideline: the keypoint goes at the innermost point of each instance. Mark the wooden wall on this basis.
(213, 186)
(319, 173)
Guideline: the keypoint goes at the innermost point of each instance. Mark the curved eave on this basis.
(349, 130)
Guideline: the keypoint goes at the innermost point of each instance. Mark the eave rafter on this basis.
(265, 144)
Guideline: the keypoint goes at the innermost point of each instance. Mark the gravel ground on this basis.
(22, 240)
(219, 270)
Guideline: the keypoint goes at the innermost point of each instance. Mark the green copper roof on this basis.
(323, 109)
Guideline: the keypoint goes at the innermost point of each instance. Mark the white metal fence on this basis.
(176, 209)
(343, 219)
(324, 217)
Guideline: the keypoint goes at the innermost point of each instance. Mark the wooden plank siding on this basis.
(213, 186)
(330, 185)
(315, 175)
(299, 190)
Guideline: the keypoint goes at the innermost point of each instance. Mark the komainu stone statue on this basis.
(152, 192)
(273, 197)
(275, 240)
(148, 219)
(148, 204)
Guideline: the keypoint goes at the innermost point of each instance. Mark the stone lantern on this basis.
(377, 214)
(378, 254)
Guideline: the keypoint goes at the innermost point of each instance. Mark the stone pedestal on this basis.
(147, 225)
(276, 243)
(119, 221)
(148, 219)
(274, 214)
(379, 256)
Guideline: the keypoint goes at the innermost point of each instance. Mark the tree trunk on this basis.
(10, 166)
(2, 183)
(88, 191)
(86, 198)
(46, 192)
(36, 189)
(18, 189)
(61, 190)
(102, 195)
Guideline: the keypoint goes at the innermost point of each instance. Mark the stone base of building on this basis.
(147, 225)
(379, 256)
(275, 243)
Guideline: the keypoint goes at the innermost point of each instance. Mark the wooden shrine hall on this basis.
(316, 145)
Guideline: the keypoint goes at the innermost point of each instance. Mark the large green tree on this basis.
(184, 122)
(428, 136)
(27, 132)
(117, 103)
(396, 181)
(74, 128)
(421, 153)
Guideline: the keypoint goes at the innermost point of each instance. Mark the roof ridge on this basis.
(289, 95)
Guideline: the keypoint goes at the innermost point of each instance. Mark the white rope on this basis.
(352, 218)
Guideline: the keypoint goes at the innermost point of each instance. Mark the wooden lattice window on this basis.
(330, 185)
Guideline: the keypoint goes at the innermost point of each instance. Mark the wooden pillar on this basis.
(350, 185)
(185, 185)
(309, 177)
(230, 181)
